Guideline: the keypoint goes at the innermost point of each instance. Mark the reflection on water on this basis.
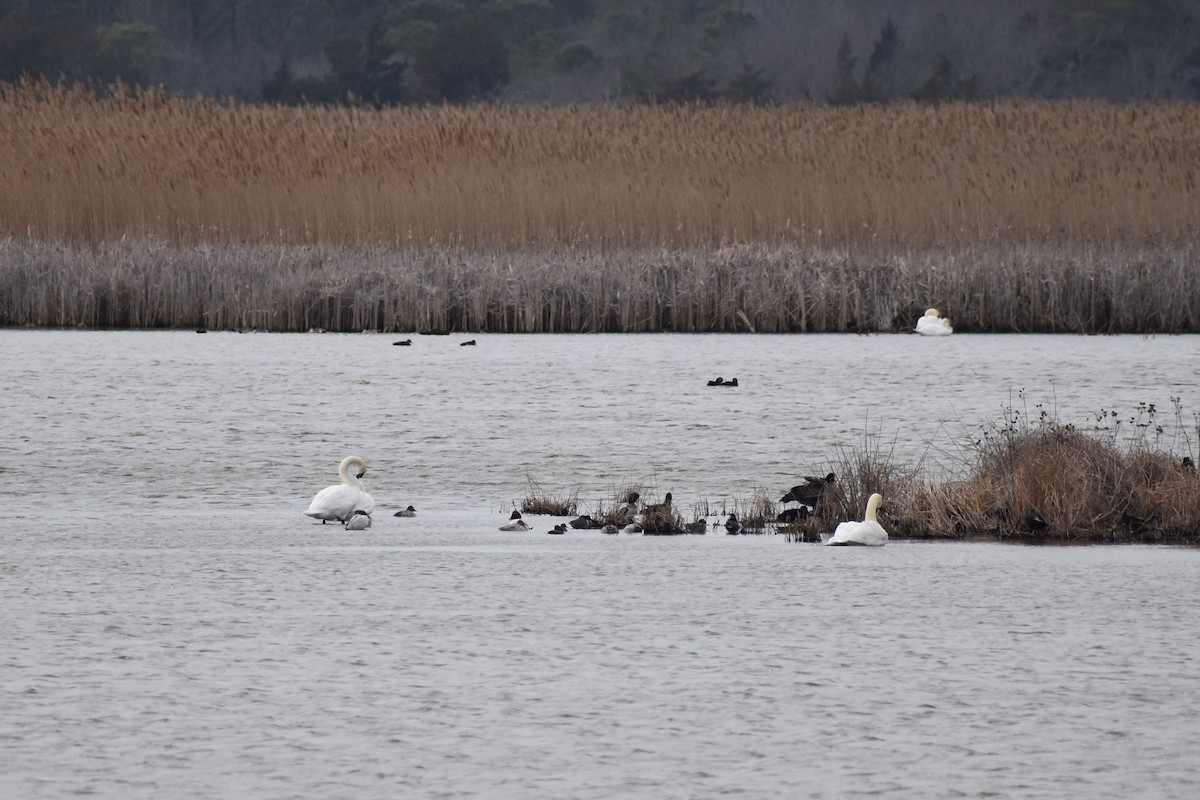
(174, 626)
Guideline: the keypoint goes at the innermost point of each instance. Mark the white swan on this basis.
(515, 523)
(868, 532)
(340, 501)
(359, 521)
(933, 324)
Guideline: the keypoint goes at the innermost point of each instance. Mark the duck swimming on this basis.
(408, 512)
(558, 530)
(359, 521)
(515, 523)
(732, 525)
(933, 324)
(340, 501)
(868, 532)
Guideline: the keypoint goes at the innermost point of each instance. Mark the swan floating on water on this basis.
(515, 523)
(359, 521)
(408, 512)
(340, 501)
(868, 532)
(933, 324)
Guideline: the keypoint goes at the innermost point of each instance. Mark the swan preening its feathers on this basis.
(340, 501)
(868, 532)
(933, 324)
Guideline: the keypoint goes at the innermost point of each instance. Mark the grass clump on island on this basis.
(538, 501)
(1040, 481)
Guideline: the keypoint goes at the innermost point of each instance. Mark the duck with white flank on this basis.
(515, 523)
(359, 521)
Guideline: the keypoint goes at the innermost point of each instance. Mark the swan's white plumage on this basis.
(933, 324)
(868, 532)
(339, 502)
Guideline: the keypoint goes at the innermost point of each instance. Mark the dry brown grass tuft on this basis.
(538, 501)
(1054, 482)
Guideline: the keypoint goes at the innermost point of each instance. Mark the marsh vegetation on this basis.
(138, 209)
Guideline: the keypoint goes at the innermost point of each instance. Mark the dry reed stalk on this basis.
(82, 168)
(1075, 287)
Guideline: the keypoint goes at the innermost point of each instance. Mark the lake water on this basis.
(173, 626)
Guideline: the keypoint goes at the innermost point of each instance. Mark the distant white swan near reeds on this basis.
(359, 521)
(340, 501)
(868, 532)
(933, 324)
(515, 523)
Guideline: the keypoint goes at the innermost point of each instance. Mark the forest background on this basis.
(598, 51)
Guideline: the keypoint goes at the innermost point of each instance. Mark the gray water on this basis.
(173, 626)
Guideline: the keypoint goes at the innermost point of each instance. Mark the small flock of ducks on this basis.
(350, 504)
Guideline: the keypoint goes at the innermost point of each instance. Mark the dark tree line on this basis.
(384, 52)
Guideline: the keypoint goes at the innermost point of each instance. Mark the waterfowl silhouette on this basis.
(408, 512)
(404, 343)
(359, 521)
(810, 491)
(468, 343)
(558, 530)
(790, 516)
(933, 324)
(659, 508)
(718, 382)
(868, 532)
(515, 523)
(732, 525)
(340, 501)
(584, 522)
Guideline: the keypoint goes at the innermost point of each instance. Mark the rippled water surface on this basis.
(173, 626)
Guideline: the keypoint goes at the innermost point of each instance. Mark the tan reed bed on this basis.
(1039, 482)
(79, 168)
(997, 286)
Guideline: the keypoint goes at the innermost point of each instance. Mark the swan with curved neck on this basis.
(933, 324)
(868, 532)
(341, 500)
